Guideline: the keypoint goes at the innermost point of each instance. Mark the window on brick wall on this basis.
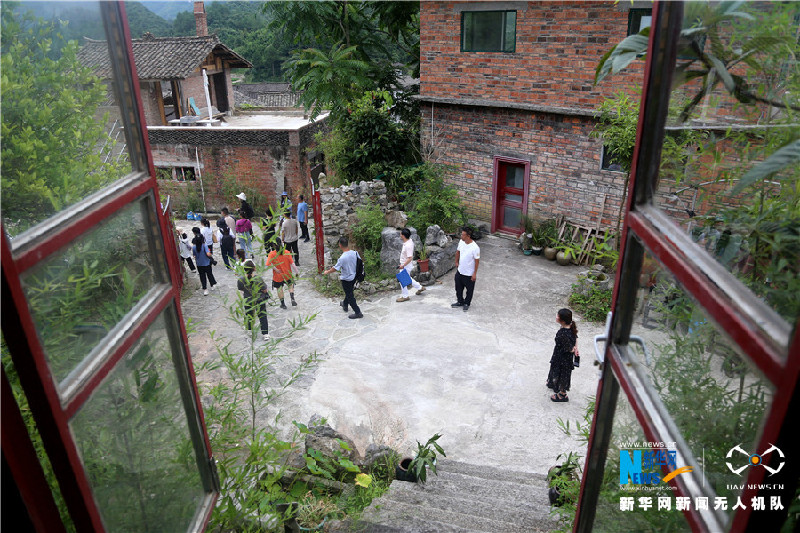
(176, 173)
(607, 162)
(488, 31)
(638, 19)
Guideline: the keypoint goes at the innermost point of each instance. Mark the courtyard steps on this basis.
(463, 497)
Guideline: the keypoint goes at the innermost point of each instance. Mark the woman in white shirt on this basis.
(208, 234)
(407, 263)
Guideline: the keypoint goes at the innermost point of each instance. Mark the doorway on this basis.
(510, 194)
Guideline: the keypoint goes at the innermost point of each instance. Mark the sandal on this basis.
(559, 398)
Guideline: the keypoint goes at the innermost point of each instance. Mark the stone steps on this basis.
(463, 497)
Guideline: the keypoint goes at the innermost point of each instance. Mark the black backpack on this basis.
(361, 273)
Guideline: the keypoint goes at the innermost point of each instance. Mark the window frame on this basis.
(774, 350)
(604, 158)
(635, 14)
(501, 51)
(52, 411)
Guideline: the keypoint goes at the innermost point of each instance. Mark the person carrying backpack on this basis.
(349, 274)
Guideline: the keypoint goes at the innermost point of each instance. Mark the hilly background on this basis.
(241, 26)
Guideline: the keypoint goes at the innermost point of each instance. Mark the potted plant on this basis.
(567, 253)
(564, 481)
(416, 469)
(423, 259)
(549, 236)
(527, 234)
(538, 240)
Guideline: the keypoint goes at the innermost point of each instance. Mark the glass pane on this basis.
(627, 445)
(483, 30)
(714, 397)
(62, 132)
(511, 31)
(77, 295)
(644, 22)
(134, 440)
(714, 180)
(511, 217)
(513, 197)
(515, 176)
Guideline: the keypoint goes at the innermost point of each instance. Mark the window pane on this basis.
(626, 435)
(134, 440)
(511, 217)
(511, 31)
(715, 398)
(62, 132)
(753, 229)
(79, 294)
(489, 31)
(515, 177)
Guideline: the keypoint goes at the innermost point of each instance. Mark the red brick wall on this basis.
(565, 175)
(152, 114)
(253, 167)
(558, 46)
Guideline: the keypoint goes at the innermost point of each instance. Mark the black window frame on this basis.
(635, 15)
(607, 160)
(502, 51)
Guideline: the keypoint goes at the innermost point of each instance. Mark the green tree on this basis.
(378, 34)
(328, 79)
(51, 154)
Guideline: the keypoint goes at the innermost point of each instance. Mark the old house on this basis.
(507, 97)
(203, 161)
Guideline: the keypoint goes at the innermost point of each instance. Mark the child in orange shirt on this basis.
(283, 270)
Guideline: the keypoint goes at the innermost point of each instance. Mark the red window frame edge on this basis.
(496, 160)
(24, 465)
(785, 402)
(32, 368)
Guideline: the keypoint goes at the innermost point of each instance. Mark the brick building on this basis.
(507, 97)
(202, 166)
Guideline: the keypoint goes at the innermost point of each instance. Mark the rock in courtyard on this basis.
(396, 219)
(391, 244)
(442, 260)
(432, 235)
(325, 439)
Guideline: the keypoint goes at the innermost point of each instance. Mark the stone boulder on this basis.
(378, 455)
(433, 235)
(391, 244)
(396, 219)
(442, 259)
(325, 439)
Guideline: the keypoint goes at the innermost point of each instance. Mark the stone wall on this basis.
(339, 206)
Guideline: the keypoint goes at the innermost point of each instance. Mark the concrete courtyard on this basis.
(409, 370)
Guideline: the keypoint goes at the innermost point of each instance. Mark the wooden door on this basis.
(510, 196)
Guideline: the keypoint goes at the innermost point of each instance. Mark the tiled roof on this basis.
(161, 58)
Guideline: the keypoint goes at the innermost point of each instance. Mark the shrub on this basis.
(366, 232)
(594, 306)
(432, 201)
(367, 140)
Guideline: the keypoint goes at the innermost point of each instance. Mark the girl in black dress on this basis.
(562, 362)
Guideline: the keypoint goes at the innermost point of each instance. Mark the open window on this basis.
(694, 426)
(93, 338)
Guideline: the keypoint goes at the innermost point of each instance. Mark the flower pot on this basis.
(402, 473)
(537, 250)
(527, 251)
(423, 264)
(550, 253)
(564, 258)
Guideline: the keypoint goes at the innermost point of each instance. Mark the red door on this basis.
(510, 194)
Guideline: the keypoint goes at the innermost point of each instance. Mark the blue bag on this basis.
(189, 216)
(404, 278)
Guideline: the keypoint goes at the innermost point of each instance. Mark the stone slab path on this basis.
(409, 370)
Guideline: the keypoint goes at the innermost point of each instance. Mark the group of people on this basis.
(280, 241)
(280, 244)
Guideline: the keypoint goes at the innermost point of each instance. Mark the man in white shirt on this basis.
(407, 263)
(468, 256)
